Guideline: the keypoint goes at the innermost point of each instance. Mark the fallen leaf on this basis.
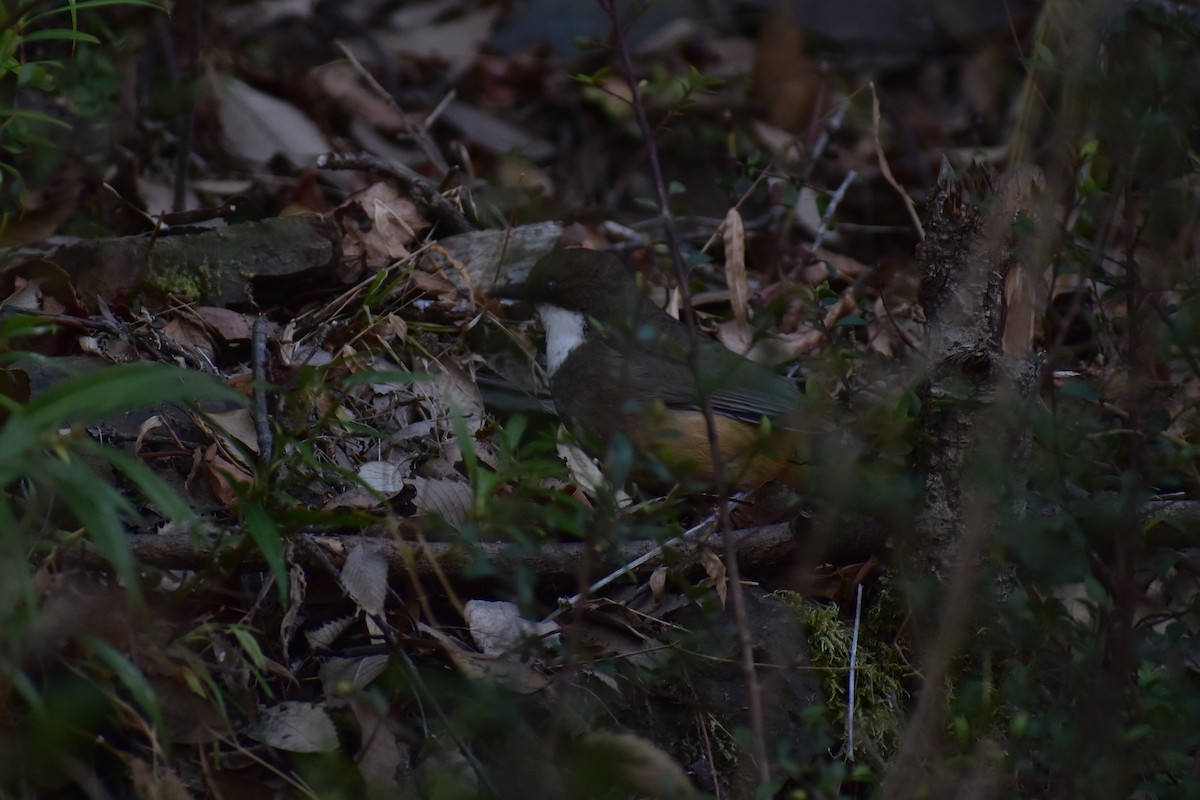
(364, 577)
(498, 628)
(735, 269)
(450, 499)
(296, 727)
(342, 677)
(258, 126)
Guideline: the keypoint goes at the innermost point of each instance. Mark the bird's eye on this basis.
(551, 285)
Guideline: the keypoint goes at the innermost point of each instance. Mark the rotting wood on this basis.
(212, 266)
(765, 547)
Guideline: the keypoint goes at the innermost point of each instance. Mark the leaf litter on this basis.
(381, 389)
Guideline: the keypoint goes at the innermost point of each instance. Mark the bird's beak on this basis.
(516, 305)
(508, 291)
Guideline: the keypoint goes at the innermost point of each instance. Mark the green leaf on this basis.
(33, 116)
(592, 78)
(267, 539)
(98, 507)
(675, 187)
(250, 645)
(94, 396)
(133, 679)
(63, 34)
(75, 7)
(155, 489)
(1043, 55)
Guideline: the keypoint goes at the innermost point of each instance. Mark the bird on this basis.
(621, 372)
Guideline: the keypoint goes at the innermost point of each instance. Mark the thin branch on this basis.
(741, 617)
(765, 546)
(886, 168)
(853, 673)
(420, 135)
(432, 203)
(262, 415)
(834, 202)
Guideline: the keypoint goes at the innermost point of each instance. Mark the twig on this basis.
(834, 202)
(853, 673)
(421, 134)
(708, 754)
(262, 416)
(187, 117)
(432, 203)
(770, 544)
(886, 169)
(692, 535)
(832, 125)
(442, 105)
(737, 596)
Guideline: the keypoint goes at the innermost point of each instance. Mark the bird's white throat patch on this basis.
(564, 332)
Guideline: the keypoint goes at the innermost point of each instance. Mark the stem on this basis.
(737, 596)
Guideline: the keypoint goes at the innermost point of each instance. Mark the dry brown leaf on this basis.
(364, 577)
(714, 568)
(495, 134)
(498, 628)
(506, 672)
(233, 426)
(343, 677)
(297, 592)
(159, 781)
(38, 284)
(395, 226)
(735, 269)
(845, 267)
(436, 285)
(223, 475)
(382, 476)
(258, 126)
(450, 499)
(457, 40)
(149, 424)
(191, 338)
(382, 757)
(296, 727)
(325, 635)
(232, 326)
(341, 84)
(658, 583)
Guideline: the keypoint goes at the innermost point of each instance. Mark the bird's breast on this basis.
(565, 331)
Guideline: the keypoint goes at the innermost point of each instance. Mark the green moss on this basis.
(194, 281)
(880, 692)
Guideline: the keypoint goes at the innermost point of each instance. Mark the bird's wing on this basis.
(736, 386)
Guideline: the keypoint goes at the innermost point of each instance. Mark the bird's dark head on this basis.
(577, 279)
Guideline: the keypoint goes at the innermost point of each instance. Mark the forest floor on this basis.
(288, 511)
